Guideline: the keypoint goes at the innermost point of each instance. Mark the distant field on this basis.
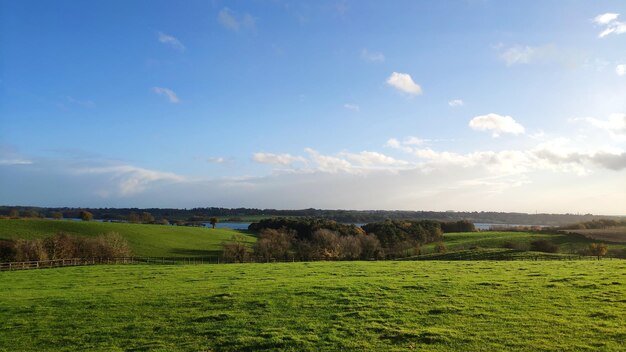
(493, 254)
(145, 240)
(568, 243)
(350, 306)
(615, 234)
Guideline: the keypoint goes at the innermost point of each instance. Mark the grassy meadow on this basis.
(353, 306)
(568, 243)
(145, 240)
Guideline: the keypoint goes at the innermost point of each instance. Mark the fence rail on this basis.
(58, 263)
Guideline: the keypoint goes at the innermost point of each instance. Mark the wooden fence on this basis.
(58, 263)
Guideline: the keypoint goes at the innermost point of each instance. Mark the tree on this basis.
(213, 221)
(274, 244)
(85, 215)
(543, 246)
(147, 217)
(440, 247)
(598, 249)
(134, 218)
(57, 215)
(235, 250)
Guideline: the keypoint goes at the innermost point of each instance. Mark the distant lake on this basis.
(229, 225)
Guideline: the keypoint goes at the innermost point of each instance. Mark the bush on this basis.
(85, 215)
(61, 246)
(274, 244)
(543, 246)
(7, 251)
(30, 250)
(236, 250)
(598, 249)
(370, 247)
(64, 246)
(441, 247)
(350, 247)
(326, 244)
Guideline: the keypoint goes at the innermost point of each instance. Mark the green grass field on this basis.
(354, 306)
(145, 240)
(568, 243)
(183, 241)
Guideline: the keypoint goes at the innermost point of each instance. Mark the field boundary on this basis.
(59, 263)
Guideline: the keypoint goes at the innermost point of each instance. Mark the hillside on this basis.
(567, 242)
(145, 240)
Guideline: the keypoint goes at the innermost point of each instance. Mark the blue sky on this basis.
(462, 105)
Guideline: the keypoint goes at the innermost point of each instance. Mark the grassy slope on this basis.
(380, 306)
(146, 240)
(492, 254)
(568, 243)
(614, 234)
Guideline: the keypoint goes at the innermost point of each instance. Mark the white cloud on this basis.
(277, 159)
(497, 124)
(15, 162)
(372, 56)
(606, 18)
(393, 143)
(615, 124)
(230, 20)
(517, 55)
(352, 107)
(404, 83)
(610, 23)
(171, 41)
(620, 70)
(456, 103)
(168, 93)
(327, 163)
(216, 159)
(413, 141)
(131, 179)
(369, 159)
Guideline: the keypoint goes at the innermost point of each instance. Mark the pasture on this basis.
(145, 240)
(354, 306)
(567, 242)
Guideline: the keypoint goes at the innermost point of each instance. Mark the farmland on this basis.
(433, 306)
(145, 240)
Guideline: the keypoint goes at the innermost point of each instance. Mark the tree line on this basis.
(345, 216)
(321, 239)
(64, 246)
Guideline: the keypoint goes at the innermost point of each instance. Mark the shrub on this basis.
(350, 247)
(370, 247)
(598, 249)
(543, 246)
(61, 246)
(274, 243)
(236, 250)
(440, 247)
(7, 251)
(85, 215)
(30, 250)
(326, 244)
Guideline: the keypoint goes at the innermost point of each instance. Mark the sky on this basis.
(468, 105)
